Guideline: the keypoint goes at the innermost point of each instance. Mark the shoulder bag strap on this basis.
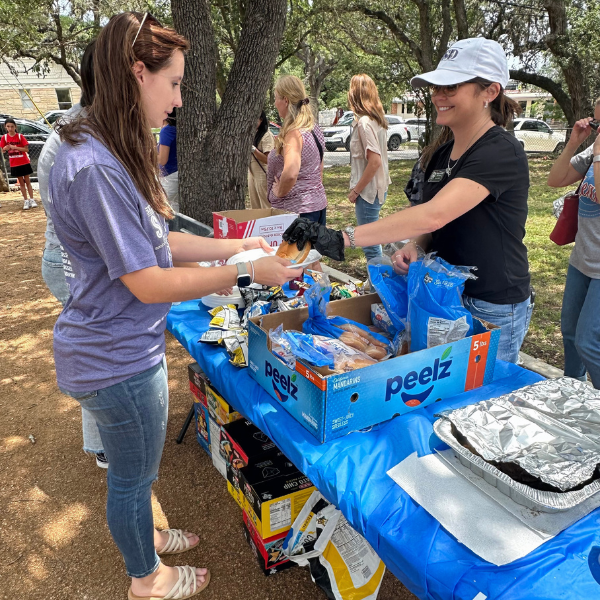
(318, 144)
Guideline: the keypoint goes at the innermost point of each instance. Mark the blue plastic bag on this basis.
(436, 314)
(392, 289)
(318, 323)
(290, 345)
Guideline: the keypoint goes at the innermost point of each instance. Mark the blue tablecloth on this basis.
(351, 473)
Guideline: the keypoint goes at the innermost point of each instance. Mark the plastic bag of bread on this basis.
(391, 288)
(317, 350)
(353, 334)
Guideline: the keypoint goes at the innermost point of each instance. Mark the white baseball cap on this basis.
(466, 60)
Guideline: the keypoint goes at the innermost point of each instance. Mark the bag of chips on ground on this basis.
(341, 561)
(392, 289)
(436, 314)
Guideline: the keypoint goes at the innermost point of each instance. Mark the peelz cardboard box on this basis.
(330, 406)
(269, 223)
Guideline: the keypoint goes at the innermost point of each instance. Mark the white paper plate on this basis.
(313, 256)
(214, 300)
(248, 255)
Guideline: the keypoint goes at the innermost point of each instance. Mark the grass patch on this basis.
(547, 261)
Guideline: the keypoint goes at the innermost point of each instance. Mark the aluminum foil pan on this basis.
(550, 430)
(548, 502)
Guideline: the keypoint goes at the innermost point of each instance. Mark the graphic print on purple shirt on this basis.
(104, 335)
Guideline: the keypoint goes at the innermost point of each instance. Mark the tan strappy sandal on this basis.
(177, 543)
(186, 586)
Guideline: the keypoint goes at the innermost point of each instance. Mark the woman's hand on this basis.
(225, 292)
(581, 130)
(353, 196)
(255, 242)
(272, 270)
(401, 260)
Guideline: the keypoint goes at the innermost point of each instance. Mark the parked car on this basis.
(32, 130)
(338, 136)
(415, 127)
(51, 116)
(274, 128)
(536, 135)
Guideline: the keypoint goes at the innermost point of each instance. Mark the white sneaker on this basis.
(32, 203)
(26, 205)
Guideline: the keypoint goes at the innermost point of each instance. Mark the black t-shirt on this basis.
(490, 235)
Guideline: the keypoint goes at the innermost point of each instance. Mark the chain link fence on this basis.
(35, 149)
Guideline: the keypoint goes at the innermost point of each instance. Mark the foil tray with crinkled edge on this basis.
(524, 495)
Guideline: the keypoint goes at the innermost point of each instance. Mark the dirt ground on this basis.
(54, 542)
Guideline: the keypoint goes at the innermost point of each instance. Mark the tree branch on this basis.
(551, 86)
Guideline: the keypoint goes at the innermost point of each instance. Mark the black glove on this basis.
(328, 242)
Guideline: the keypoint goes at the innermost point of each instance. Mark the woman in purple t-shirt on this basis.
(124, 269)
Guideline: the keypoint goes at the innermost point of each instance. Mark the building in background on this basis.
(52, 90)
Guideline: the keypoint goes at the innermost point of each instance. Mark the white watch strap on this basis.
(596, 158)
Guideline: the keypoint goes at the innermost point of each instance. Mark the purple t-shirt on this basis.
(104, 335)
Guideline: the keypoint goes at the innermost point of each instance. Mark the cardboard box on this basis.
(274, 492)
(269, 552)
(215, 447)
(269, 223)
(220, 410)
(198, 380)
(330, 406)
(234, 490)
(242, 443)
(202, 426)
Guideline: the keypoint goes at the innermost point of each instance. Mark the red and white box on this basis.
(269, 223)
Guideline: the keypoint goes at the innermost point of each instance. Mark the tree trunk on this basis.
(213, 145)
(316, 71)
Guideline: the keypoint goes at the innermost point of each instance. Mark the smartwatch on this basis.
(243, 278)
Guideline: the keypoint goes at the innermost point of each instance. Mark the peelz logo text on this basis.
(395, 385)
(283, 385)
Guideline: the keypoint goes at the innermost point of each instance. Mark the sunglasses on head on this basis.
(147, 16)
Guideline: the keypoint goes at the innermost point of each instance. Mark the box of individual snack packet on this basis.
(268, 552)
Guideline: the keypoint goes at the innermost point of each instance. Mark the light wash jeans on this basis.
(170, 184)
(514, 320)
(368, 213)
(132, 419)
(54, 276)
(580, 326)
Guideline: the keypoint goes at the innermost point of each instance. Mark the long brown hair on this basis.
(300, 115)
(503, 109)
(116, 116)
(444, 136)
(363, 99)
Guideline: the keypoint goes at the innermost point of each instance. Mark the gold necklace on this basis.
(449, 168)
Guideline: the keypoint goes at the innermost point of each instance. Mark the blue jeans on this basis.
(514, 320)
(580, 326)
(368, 213)
(54, 276)
(132, 419)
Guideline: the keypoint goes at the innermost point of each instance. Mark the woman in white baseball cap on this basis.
(475, 192)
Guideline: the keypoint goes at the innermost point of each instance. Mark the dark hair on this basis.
(172, 118)
(86, 71)
(116, 116)
(504, 109)
(443, 137)
(262, 128)
(9, 120)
